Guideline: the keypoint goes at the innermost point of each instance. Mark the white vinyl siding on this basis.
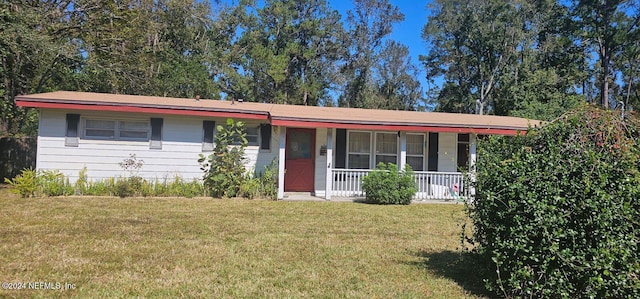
(181, 145)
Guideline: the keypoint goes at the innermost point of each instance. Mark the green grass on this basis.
(175, 247)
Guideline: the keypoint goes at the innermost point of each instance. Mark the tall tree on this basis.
(398, 86)
(473, 44)
(146, 47)
(607, 26)
(494, 56)
(287, 52)
(369, 23)
(37, 54)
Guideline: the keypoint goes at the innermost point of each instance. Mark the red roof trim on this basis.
(140, 110)
(316, 124)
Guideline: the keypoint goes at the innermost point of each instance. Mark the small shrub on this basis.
(387, 185)
(25, 184)
(54, 183)
(181, 188)
(131, 165)
(250, 188)
(82, 182)
(128, 187)
(192, 189)
(269, 181)
(101, 188)
(123, 189)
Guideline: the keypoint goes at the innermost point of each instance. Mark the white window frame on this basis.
(257, 135)
(373, 152)
(375, 148)
(424, 150)
(349, 152)
(116, 130)
(246, 131)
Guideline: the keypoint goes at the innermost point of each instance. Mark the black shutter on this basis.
(341, 148)
(71, 136)
(265, 136)
(208, 127)
(156, 133)
(433, 152)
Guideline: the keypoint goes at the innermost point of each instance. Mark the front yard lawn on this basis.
(176, 247)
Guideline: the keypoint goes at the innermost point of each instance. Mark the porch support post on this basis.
(329, 177)
(472, 151)
(403, 150)
(281, 158)
(473, 148)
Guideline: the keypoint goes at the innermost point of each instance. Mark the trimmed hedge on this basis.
(557, 211)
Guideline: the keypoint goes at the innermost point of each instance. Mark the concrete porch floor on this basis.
(308, 196)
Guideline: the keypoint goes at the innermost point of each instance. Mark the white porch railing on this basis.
(348, 182)
(431, 185)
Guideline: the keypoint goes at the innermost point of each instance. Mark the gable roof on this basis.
(283, 115)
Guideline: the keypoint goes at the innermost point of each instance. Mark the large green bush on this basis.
(557, 211)
(388, 185)
(224, 169)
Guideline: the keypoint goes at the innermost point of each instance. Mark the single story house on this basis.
(322, 150)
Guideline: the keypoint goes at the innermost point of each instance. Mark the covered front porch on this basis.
(342, 158)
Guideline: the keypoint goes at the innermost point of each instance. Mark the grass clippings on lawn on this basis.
(111, 247)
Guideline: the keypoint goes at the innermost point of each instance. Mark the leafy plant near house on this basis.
(53, 183)
(82, 182)
(134, 184)
(25, 184)
(387, 185)
(269, 180)
(224, 169)
(556, 211)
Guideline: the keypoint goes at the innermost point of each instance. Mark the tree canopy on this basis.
(526, 58)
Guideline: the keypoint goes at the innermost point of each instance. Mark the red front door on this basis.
(299, 158)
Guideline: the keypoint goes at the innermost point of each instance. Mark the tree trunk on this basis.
(604, 95)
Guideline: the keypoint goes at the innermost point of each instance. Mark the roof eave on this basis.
(23, 101)
(407, 127)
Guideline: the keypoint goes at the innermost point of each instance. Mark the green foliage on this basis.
(269, 181)
(101, 188)
(25, 184)
(131, 186)
(556, 211)
(54, 183)
(388, 185)
(224, 169)
(250, 188)
(264, 185)
(178, 187)
(82, 181)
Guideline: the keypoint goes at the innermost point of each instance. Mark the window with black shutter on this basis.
(71, 135)
(208, 129)
(156, 133)
(341, 148)
(265, 136)
(432, 164)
